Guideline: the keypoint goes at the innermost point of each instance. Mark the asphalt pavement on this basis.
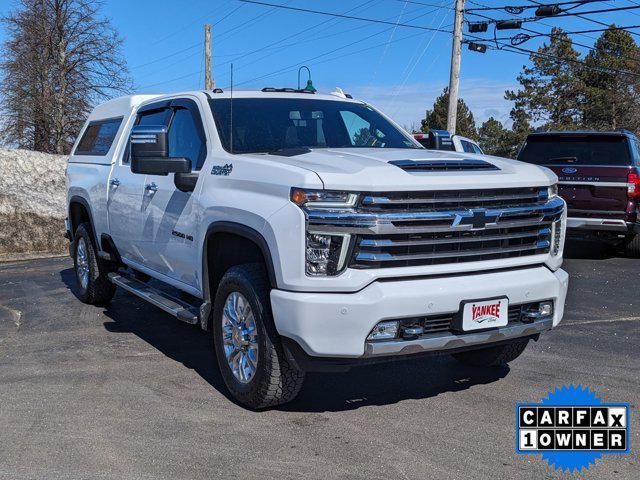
(128, 392)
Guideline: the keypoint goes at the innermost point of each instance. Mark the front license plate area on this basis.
(483, 314)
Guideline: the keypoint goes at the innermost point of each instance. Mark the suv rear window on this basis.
(576, 150)
(98, 137)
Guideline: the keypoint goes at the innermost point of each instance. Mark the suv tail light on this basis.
(633, 185)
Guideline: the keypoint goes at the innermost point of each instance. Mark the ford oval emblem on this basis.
(569, 170)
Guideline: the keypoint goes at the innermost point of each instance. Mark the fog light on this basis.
(384, 331)
(545, 309)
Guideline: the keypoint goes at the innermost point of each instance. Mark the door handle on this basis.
(114, 182)
(151, 187)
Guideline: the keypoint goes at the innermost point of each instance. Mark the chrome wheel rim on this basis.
(240, 337)
(82, 263)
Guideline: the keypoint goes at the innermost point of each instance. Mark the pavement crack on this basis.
(571, 323)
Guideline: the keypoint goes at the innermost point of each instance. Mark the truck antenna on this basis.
(231, 114)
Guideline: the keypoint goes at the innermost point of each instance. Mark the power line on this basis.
(535, 34)
(308, 60)
(191, 47)
(350, 17)
(513, 8)
(426, 4)
(508, 47)
(567, 14)
(294, 44)
(353, 29)
(547, 34)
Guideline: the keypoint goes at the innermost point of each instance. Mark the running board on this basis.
(176, 307)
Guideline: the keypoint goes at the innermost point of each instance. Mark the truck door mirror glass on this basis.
(150, 152)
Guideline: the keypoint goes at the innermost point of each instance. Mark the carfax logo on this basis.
(572, 428)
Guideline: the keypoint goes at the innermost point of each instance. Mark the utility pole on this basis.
(208, 81)
(454, 77)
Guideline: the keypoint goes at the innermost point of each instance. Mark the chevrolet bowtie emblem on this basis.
(478, 219)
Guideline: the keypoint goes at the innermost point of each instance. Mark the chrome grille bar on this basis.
(397, 229)
(388, 257)
(388, 242)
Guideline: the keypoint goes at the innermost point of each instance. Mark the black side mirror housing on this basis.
(185, 182)
(150, 152)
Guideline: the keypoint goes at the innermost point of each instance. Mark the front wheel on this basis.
(493, 356)
(249, 352)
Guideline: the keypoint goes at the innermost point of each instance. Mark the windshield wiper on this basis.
(290, 151)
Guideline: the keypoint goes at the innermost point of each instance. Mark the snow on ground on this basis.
(32, 202)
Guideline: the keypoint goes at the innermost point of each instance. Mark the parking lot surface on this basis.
(128, 392)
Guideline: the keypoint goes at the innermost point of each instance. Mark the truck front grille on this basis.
(402, 229)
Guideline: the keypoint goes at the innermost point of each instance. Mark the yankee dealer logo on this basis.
(482, 313)
(572, 428)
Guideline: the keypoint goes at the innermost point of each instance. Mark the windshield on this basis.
(578, 150)
(262, 125)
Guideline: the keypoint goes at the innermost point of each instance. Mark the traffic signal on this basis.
(478, 27)
(477, 47)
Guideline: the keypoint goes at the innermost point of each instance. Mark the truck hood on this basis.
(368, 169)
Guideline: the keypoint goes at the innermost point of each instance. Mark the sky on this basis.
(399, 69)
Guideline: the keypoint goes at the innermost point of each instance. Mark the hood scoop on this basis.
(451, 165)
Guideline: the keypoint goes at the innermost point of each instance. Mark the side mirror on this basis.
(150, 152)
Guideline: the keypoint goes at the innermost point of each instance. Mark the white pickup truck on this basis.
(309, 232)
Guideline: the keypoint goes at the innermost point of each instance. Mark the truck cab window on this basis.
(98, 137)
(184, 140)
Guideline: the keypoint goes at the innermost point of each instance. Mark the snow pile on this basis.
(32, 202)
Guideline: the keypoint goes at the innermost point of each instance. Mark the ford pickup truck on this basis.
(309, 232)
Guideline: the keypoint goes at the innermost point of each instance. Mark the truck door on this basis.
(171, 217)
(127, 198)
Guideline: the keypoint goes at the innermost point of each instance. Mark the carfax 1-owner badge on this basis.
(572, 428)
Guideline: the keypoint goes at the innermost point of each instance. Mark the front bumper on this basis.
(337, 324)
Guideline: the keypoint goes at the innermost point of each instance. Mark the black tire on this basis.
(493, 356)
(95, 288)
(632, 246)
(275, 380)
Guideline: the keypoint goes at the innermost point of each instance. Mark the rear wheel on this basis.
(248, 348)
(493, 356)
(632, 246)
(94, 286)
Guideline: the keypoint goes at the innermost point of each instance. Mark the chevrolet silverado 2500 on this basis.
(309, 232)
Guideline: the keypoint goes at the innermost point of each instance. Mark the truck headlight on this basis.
(326, 253)
(323, 198)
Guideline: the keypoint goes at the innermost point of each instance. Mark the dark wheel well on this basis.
(228, 247)
(78, 214)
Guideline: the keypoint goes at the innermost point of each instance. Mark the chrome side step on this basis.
(176, 307)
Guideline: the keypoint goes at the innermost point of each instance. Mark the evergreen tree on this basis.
(552, 89)
(520, 128)
(436, 118)
(492, 137)
(612, 97)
